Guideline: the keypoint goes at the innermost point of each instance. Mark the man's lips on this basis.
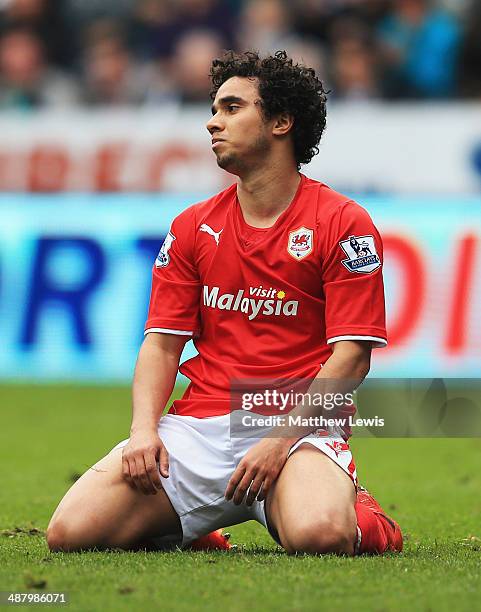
(216, 142)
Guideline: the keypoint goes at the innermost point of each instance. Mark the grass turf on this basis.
(432, 487)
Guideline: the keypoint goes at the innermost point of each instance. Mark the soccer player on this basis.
(265, 279)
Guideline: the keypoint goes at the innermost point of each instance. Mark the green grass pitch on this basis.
(432, 487)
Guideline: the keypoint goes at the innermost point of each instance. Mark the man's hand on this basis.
(141, 459)
(257, 471)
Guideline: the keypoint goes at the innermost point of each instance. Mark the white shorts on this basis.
(203, 457)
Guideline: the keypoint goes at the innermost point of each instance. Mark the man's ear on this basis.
(283, 124)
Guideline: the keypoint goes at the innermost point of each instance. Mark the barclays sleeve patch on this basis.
(163, 257)
(361, 253)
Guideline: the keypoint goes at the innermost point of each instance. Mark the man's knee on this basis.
(70, 534)
(62, 537)
(327, 535)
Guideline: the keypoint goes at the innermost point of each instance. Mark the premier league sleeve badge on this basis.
(361, 253)
(163, 257)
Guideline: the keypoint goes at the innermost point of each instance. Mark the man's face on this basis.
(240, 135)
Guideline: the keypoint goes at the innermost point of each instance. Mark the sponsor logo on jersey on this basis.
(362, 255)
(253, 302)
(163, 257)
(300, 243)
(208, 230)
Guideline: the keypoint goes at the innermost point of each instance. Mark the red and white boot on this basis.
(216, 540)
(377, 532)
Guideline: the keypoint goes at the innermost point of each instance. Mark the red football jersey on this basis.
(266, 303)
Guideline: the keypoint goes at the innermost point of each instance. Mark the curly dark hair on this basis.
(284, 86)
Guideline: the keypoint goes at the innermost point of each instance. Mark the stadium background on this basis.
(103, 108)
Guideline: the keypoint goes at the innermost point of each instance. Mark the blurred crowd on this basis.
(59, 53)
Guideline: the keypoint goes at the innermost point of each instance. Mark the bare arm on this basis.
(154, 380)
(349, 359)
(343, 372)
(262, 464)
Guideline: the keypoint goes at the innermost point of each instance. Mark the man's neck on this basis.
(265, 194)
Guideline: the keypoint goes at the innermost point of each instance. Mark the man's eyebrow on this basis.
(227, 100)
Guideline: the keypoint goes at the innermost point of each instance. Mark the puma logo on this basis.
(208, 230)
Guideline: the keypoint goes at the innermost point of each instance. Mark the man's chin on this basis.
(227, 163)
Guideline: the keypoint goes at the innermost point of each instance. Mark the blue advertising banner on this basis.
(75, 279)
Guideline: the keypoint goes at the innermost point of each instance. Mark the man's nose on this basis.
(214, 125)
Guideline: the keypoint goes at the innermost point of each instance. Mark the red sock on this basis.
(373, 528)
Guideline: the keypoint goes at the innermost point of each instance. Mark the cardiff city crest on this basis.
(361, 253)
(300, 243)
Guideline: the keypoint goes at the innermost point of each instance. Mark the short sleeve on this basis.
(175, 295)
(352, 278)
